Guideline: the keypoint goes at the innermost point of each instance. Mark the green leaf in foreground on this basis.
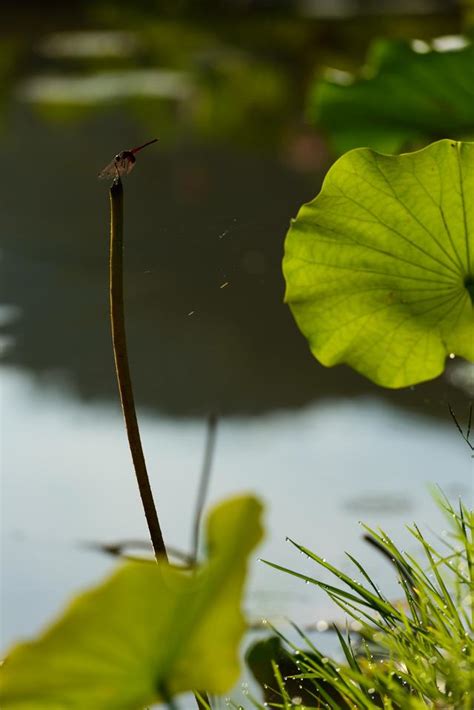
(146, 632)
(379, 267)
(404, 95)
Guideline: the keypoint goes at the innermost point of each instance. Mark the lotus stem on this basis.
(122, 368)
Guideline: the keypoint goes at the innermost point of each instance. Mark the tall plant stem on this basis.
(122, 368)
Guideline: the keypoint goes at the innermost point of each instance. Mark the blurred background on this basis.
(224, 86)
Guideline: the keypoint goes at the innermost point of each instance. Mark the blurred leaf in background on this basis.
(406, 95)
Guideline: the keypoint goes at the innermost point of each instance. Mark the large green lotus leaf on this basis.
(379, 266)
(402, 97)
(147, 631)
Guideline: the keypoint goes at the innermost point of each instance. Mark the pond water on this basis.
(68, 482)
(207, 210)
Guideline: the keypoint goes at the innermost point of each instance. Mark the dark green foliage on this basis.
(406, 95)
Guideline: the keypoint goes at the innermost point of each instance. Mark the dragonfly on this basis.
(123, 162)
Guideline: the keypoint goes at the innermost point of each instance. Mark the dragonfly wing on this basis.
(120, 165)
(108, 172)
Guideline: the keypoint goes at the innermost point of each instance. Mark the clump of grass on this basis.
(414, 653)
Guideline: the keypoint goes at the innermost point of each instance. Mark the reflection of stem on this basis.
(119, 549)
(119, 342)
(204, 480)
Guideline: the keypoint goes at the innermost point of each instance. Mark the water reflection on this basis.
(367, 502)
(85, 44)
(68, 482)
(105, 87)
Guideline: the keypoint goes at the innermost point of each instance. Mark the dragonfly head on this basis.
(124, 155)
